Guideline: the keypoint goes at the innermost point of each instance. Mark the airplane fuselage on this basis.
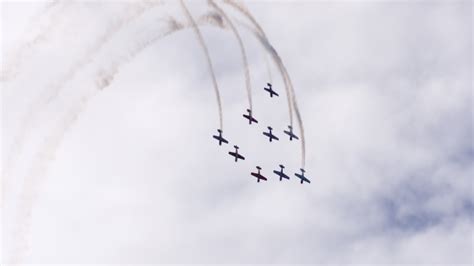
(270, 136)
(281, 174)
(250, 119)
(303, 178)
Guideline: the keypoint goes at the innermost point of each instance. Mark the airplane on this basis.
(270, 90)
(280, 173)
(270, 134)
(250, 117)
(236, 154)
(258, 175)
(302, 177)
(290, 133)
(220, 138)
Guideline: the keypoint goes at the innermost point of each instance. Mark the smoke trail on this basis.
(208, 58)
(46, 154)
(242, 50)
(47, 151)
(272, 52)
(51, 92)
(260, 34)
(269, 70)
(10, 69)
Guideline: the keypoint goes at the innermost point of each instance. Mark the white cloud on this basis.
(385, 94)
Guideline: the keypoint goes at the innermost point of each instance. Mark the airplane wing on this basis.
(259, 176)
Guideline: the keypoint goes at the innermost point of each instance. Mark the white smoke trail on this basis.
(242, 50)
(269, 70)
(47, 151)
(292, 104)
(52, 90)
(273, 53)
(208, 59)
(11, 68)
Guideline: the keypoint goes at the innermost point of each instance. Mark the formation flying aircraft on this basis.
(290, 133)
(236, 154)
(302, 177)
(270, 135)
(220, 138)
(270, 90)
(280, 173)
(258, 175)
(250, 117)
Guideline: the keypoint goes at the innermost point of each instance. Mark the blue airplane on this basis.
(258, 175)
(236, 154)
(280, 173)
(270, 134)
(290, 133)
(220, 138)
(270, 90)
(250, 117)
(302, 177)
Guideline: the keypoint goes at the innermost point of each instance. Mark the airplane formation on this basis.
(271, 137)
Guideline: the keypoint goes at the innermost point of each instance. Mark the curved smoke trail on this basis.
(51, 143)
(269, 70)
(208, 58)
(242, 50)
(292, 104)
(273, 53)
(48, 150)
(51, 91)
(10, 69)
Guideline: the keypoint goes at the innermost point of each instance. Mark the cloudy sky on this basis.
(107, 154)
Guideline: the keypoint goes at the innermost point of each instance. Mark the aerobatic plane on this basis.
(290, 133)
(258, 175)
(280, 173)
(250, 117)
(270, 90)
(270, 134)
(302, 177)
(220, 138)
(236, 154)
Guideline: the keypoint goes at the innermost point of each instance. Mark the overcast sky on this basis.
(107, 154)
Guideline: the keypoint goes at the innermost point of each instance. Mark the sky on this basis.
(108, 116)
